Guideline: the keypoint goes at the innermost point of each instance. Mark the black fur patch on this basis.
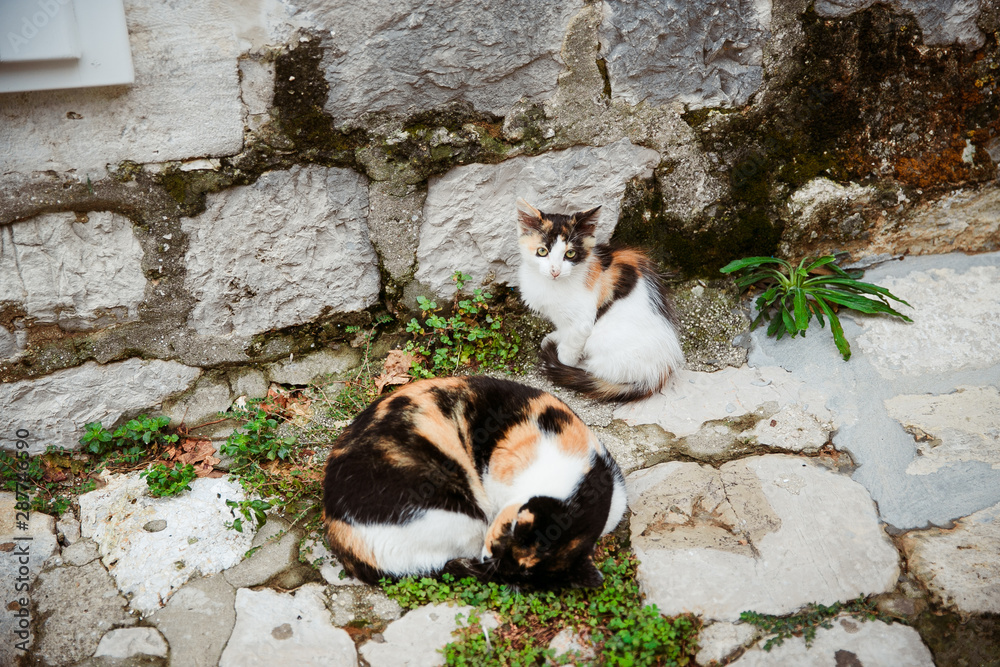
(554, 420)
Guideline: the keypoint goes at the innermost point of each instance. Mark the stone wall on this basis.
(283, 170)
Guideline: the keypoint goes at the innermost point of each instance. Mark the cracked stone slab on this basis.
(277, 548)
(150, 560)
(80, 271)
(470, 217)
(952, 343)
(315, 366)
(694, 398)
(961, 566)
(418, 54)
(197, 621)
(956, 322)
(707, 54)
(128, 642)
(55, 408)
(961, 426)
(34, 540)
(849, 643)
(718, 641)
(304, 252)
(78, 605)
(281, 628)
(768, 534)
(416, 639)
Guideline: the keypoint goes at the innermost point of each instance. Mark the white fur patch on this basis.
(425, 543)
(552, 473)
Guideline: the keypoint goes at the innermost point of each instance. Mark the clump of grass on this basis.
(613, 618)
(815, 288)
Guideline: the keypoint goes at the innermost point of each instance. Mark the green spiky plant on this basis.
(815, 288)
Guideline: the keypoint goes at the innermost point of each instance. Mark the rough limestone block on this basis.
(963, 220)
(310, 367)
(470, 218)
(197, 621)
(201, 404)
(129, 642)
(961, 567)
(54, 409)
(303, 251)
(960, 426)
(768, 534)
(694, 398)
(279, 628)
(942, 22)
(185, 101)
(704, 54)
(416, 639)
(149, 563)
(947, 333)
(79, 275)
(417, 54)
(849, 643)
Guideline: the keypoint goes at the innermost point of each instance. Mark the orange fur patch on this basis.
(515, 452)
(575, 436)
(344, 541)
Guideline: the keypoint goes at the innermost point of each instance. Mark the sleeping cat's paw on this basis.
(552, 338)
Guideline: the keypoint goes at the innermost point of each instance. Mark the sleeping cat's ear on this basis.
(586, 223)
(529, 218)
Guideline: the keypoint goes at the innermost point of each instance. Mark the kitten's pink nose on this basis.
(554, 271)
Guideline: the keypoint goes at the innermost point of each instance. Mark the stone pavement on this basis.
(794, 478)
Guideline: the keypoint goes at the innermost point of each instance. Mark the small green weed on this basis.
(166, 481)
(255, 441)
(817, 287)
(130, 441)
(253, 512)
(472, 336)
(622, 630)
(809, 620)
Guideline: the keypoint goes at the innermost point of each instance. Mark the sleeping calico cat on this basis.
(616, 332)
(471, 476)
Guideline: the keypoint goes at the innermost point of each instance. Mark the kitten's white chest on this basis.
(561, 301)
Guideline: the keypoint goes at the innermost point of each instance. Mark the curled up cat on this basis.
(471, 476)
(615, 335)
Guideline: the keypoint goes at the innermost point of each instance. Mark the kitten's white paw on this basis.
(551, 338)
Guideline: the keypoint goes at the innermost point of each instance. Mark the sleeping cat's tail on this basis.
(587, 384)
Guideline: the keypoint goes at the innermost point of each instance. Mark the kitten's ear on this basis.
(587, 575)
(529, 218)
(586, 223)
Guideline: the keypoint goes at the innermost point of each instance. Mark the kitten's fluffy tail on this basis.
(587, 384)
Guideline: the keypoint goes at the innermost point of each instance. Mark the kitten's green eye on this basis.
(542, 252)
(570, 254)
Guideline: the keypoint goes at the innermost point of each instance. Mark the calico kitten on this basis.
(615, 335)
(471, 476)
